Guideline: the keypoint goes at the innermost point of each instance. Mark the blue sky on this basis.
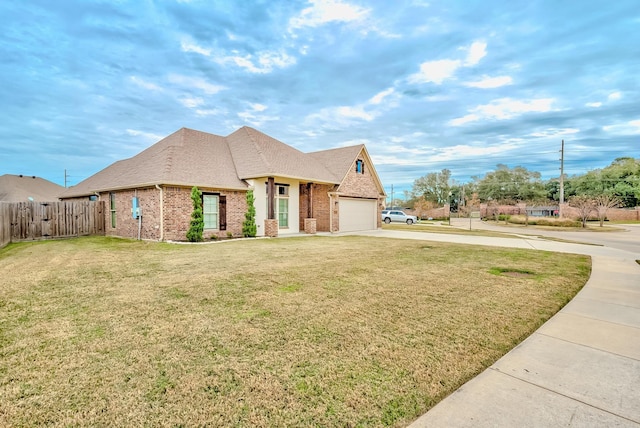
(426, 85)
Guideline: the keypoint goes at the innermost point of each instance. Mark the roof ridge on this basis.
(262, 155)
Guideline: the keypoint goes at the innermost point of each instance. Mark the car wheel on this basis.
(409, 221)
(387, 220)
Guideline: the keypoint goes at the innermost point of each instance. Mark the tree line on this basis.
(618, 184)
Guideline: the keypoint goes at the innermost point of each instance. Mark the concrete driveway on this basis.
(582, 367)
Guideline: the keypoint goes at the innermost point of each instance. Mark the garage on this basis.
(358, 214)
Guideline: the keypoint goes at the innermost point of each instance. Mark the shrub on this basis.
(544, 221)
(249, 228)
(196, 227)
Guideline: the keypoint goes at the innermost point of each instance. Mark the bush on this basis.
(544, 221)
(196, 227)
(249, 227)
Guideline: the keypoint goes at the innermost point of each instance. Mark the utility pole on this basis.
(562, 173)
(392, 196)
(65, 178)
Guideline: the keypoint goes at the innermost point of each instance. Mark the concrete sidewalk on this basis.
(580, 369)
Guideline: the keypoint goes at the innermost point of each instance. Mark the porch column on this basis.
(271, 196)
(309, 200)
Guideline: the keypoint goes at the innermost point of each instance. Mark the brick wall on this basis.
(321, 210)
(178, 208)
(360, 185)
(613, 214)
(176, 213)
(126, 225)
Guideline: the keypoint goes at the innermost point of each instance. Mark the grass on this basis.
(314, 331)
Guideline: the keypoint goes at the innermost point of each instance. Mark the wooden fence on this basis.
(26, 221)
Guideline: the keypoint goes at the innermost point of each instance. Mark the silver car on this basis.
(398, 216)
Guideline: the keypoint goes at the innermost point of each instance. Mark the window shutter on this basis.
(223, 212)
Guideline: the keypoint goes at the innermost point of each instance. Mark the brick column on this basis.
(310, 226)
(271, 228)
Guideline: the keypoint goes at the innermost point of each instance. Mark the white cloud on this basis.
(322, 12)
(435, 71)
(615, 96)
(504, 108)
(490, 82)
(341, 116)
(265, 62)
(210, 112)
(440, 70)
(554, 132)
(192, 47)
(192, 102)
(355, 113)
(464, 119)
(594, 105)
(197, 83)
(367, 111)
(629, 128)
(475, 53)
(147, 135)
(144, 84)
(380, 96)
(253, 117)
(258, 107)
(256, 120)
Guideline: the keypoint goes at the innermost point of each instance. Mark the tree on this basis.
(621, 179)
(433, 187)
(603, 203)
(422, 206)
(510, 185)
(196, 227)
(585, 206)
(249, 228)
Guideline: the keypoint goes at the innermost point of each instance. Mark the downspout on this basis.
(161, 213)
(331, 212)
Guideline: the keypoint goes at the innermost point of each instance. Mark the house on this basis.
(334, 190)
(25, 188)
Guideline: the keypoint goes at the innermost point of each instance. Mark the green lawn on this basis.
(309, 331)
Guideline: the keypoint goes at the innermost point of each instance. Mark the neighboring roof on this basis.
(194, 158)
(23, 188)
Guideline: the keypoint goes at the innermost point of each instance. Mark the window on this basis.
(360, 166)
(112, 207)
(210, 211)
(281, 204)
(283, 212)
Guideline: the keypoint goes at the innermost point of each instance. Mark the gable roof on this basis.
(21, 188)
(259, 155)
(194, 158)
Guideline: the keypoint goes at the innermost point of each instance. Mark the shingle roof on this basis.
(259, 155)
(19, 188)
(194, 158)
(338, 161)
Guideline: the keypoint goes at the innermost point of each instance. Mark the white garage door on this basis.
(357, 214)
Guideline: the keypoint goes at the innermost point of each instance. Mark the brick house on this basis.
(334, 190)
